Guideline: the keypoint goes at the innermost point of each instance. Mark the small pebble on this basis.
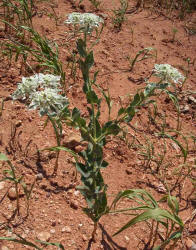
(74, 204)
(4, 248)
(76, 193)
(10, 206)
(39, 176)
(84, 237)
(128, 171)
(2, 185)
(18, 123)
(66, 229)
(43, 236)
(185, 109)
(12, 193)
(190, 244)
(192, 99)
(79, 148)
(52, 231)
(127, 238)
(53, 223)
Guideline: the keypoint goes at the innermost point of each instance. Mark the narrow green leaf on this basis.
(22, 241)
(60, 246)
(58, 148)
(155, 214)
(92, 97)
(81, 168)
(121, 111)
(183, 150)
(135, 101)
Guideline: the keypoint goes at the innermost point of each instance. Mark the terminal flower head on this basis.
(49, 80)
(168, 73)
(86, 21)
(25, 88)
(41, 92)
(48, 101)
(32, 83)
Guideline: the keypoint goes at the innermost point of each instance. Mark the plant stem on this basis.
(94, 231)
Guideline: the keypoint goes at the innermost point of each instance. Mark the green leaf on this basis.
(136, 193)
(174, 99)
(104, 164)
(92, 97)
(136, 100)
(175, 235)
(98, 128)
(85, 74)
(155, 214)
(75, 113)
(149, 90)
(81, 168)
(3, 157)
(130, 114)
(81, 46)
(173, 204)
(89, 61)
(60, 246)
(183, 150)
(121, 111)
(111, 128)
(22, 241)
(95, 76)
(58, 148)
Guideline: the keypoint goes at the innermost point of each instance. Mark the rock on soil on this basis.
(190, 244)
(4, 248)
(66, 229)
(43, 236)
(72, 141)
(12, 193)
(2, 185)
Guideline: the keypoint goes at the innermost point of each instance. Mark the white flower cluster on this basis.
(86, 21)
(42, 92)
(168, 73)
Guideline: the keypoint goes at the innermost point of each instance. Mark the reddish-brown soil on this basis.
(55, 204)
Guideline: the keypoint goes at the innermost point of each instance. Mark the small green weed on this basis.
(95, 3)
(174, 32)
(170, 6)
(119, 14)
(142, 55)
(20, 240)
(10, 175)
(148, 209)
(17, 13)
(45, 54)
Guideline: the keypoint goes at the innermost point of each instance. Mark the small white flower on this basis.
(25, 88)
(42, 92)
(86, 21)
(49, 80)
(74, 18)
(48, 101)
(168, 73)
(32, 83)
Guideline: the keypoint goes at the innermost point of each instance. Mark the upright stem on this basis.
(16, 187)
(58, 139)
(94, 231)
(17, 198)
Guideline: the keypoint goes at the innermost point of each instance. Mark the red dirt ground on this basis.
(55, 205)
